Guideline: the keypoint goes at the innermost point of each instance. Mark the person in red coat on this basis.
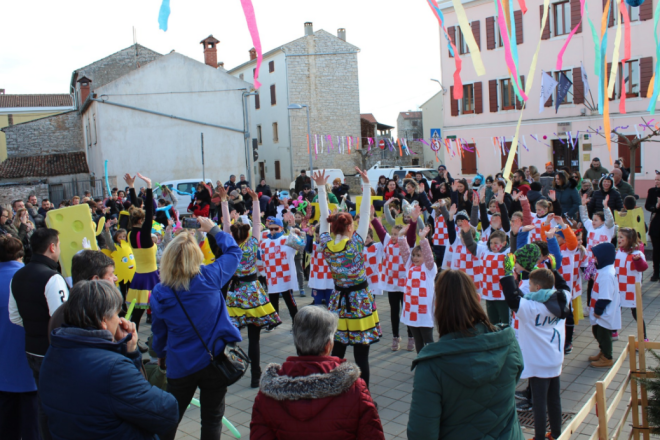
(314, 395)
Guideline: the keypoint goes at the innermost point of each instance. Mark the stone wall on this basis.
(118, 64)
(329, 85)
(9, 193)
(55, 134)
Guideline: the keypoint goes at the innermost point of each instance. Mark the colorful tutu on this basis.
(360, 324)
(141, 287)
(248, 303)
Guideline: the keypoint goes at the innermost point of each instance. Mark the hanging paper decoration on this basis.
(507, 50)
(562, 89)
(568, 40)
(656, 75)
(248, 9)
(466, 30)
(548, 85)
(164, 15)
(602, 80)
(615, 55)
(458, 83)
(626, 54)
(523, 6)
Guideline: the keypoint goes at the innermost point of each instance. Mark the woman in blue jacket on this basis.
(198, 287)
(90, 384)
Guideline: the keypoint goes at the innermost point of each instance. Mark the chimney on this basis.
(2, 91)
(309, 29)
(253, 54)
(341, 34)
(210, 51)
(84, 89)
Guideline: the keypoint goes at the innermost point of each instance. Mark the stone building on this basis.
(319, 70)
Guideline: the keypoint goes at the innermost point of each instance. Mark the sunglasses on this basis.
(274, 229)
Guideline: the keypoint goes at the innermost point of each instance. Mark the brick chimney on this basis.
(2, 91)
(210, 51)
(309, 28)
(84, 89)
(253, 54)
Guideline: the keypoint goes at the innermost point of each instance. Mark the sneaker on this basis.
(521, 395)
(411, 344)
(603, 363)
(615, 336)
(396, 343)
(302, 292)
(568, 349)
(596, 357)
(524, 405)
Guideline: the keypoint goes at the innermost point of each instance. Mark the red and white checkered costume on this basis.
(373, 256)
(440, 235)
(279, 263)
(570, 270)
(596, 237)
(535, 234)
(627, 277)
(418, 299)
(493, 270)
(486, 233)
(320, 276)
(393, 269)
(463, 260)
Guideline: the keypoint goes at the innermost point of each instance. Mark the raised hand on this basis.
(517, 195)
(476, 198)
(552, 194)
(320, 178)
(559, 220)
(606, 201)
(452, 210)
(500, 197)
(424, 232)
(549, 218)
(550, 233)
(465, 226)
(222, 193)
(585, 199)
(404, 230)
(130, 181)
(454, 186)
(465, 195)
(146, 180)
(205, 224)
(362, 174)
(522, 196)
(372, 213)
(528, 228)
(253, 195)
(417, 210)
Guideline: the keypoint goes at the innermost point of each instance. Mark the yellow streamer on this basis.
(606, 103)
(528, 88)
(466, 29)
(615, 55)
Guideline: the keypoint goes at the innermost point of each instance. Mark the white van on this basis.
(331, 173)
(376, 171)
(181, 186)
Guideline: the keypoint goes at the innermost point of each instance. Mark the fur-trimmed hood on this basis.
(313, 386)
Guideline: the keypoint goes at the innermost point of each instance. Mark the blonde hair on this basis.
(181, 262)
(544, 204)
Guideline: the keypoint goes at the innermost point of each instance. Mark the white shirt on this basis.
(541, 339)
(606, 287)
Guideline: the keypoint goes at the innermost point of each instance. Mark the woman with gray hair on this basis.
(314, 395)
(90, 383)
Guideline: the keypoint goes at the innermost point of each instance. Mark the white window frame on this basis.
(551, 19)
(460, 102)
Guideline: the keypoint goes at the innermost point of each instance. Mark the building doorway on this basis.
(566, 156)
(262, 171)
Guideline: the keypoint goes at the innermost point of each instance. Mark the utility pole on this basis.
(203, 170)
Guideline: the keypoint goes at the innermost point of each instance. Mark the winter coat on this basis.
(569, 199)
(314, 397)
(264, 190)
(173, 336)
(595, 173)
(651, 203)
(598, 197)
(201, 210)
(341, 191)
(533, 197)
(625, 189)
(331, 198)
(464, 387)
(300, 182)
(90, 387)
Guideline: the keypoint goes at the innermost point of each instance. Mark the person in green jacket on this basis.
(464, 384)
(596, 170)
(331, 197)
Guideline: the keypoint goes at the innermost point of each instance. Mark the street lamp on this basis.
(441, 86)
(309, 135)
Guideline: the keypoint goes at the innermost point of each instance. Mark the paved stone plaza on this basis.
(391, 378)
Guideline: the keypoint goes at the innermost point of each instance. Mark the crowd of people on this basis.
(436, 249)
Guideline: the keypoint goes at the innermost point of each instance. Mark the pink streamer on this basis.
(507, 50)
(568, 40)
(248, 9)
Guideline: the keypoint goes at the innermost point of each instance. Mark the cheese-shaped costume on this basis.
(393, 269)
(279, 264)
(373, 257)
(627, 277)
(605, 287)
(247, 301)
(320, 276)
(632, 219)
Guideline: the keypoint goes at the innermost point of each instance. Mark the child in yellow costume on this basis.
(122, 254)
(144, 249)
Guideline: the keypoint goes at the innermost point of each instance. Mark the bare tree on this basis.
(633, 144)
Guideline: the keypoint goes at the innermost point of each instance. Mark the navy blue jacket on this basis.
(174, 337)
(90, 387)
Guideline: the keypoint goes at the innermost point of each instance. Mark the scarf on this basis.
(541, 295)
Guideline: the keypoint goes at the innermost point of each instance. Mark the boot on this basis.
(396, 343)
(596, 357)
(255, 379)
(603, 363)
(411, 344)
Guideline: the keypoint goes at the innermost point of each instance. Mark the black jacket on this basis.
(435, 186)
(264, 190)
(598, 197)
(302, 181)
(38, 289)
(651, 203)
(340, 191)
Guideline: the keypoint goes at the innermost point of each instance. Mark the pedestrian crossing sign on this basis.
(436, 133)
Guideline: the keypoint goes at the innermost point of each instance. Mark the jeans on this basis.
(18, 411)
(396, 301)
(546, 395)
(212, 389)
(35, 365)
(288, 300)
(423, 336)
(361, 354)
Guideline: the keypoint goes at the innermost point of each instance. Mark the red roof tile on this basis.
(368, 117)
(61, 100)
(411, 115)
(44, 166)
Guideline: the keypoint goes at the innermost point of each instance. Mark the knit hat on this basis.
(528, 256)
(461, 215)
(607, 177)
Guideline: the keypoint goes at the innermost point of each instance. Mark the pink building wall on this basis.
(482, 127)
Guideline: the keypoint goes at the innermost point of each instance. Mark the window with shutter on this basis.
(624, 153)
(476, 31)
(561, 16)
(467, 103)
(519, 103)
(518, 18)
(645, 74)
(257, 102)
(453, 102)
(629, 78)
(478, 98)
(469, 160)
(546, 30)
(276, 135)
(451, 33)
(259, 138)
(271, 67)
(569, 96)
(277, 170)
(492, 95)
(273, 97)
(504, 156)
(462, 44)
(578, 86)
(490, 33)
(576, 15)
(646, 11)
(507, 94)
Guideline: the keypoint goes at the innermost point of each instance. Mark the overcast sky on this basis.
(399, 41)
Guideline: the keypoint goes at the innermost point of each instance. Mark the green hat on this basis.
(528, 256)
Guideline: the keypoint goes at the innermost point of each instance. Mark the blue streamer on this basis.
(164, 15)
(107, 183)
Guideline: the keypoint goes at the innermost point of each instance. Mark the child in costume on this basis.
(440, 237)
(496, 218)
(459, 257)
(279, 266)
(373, 258)
(417, 311)
(541, 313)
(605, 305)
(248, 304)
(629, 264)
(320, 276)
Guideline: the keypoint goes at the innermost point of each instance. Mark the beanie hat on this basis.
(461, 215)
(536, 186)
(528, 256)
